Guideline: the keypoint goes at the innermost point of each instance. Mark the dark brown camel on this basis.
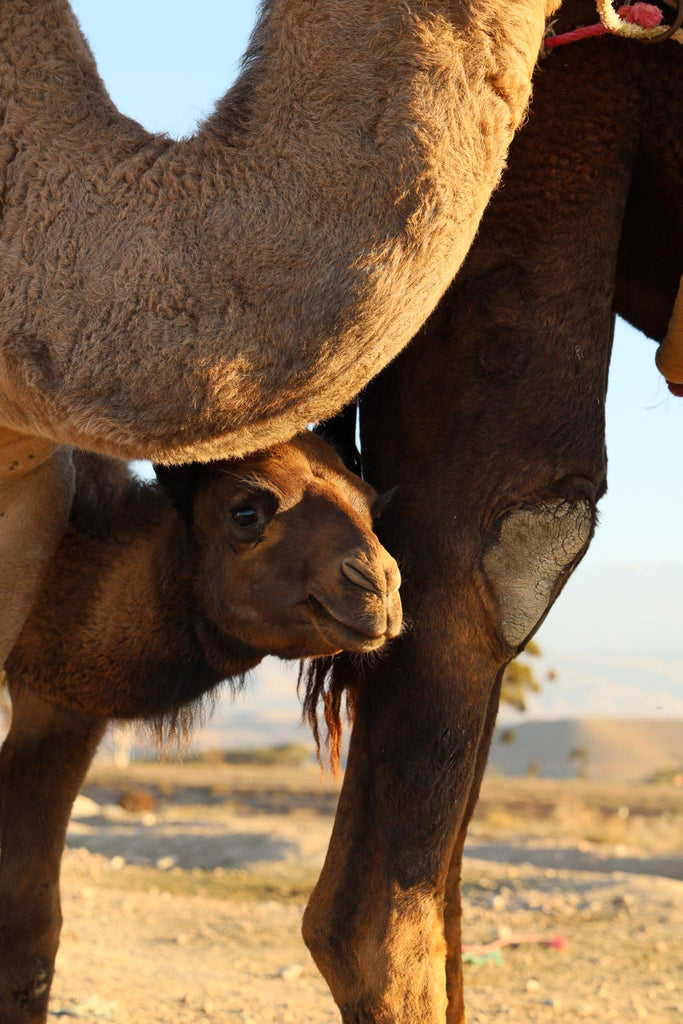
(157, 594)
(496, 413)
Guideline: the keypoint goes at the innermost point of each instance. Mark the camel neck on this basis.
(50, 86)
(157, 628)
(210, 297)
(130, 639)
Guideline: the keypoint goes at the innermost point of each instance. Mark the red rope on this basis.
(516, 939)
(576, 35)
(645, 15)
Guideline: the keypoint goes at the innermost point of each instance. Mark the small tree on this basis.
(519, 679)
(580, 757)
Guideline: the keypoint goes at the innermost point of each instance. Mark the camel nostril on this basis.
(357, 573)
(393, 575)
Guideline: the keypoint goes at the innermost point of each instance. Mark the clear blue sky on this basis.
(165, 63)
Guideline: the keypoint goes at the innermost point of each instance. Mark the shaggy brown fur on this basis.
(155, 595)
(209, 297)
(496, 412)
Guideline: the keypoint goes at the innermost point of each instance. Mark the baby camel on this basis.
(155, 595)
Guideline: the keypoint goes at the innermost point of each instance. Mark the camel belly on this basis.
(36, 490)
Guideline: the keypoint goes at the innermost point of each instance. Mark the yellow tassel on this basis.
(669, 356)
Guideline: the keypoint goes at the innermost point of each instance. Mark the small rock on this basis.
(291, 973)
(113, 812)
(117, 863)
(182, 938)
(137, 800)
(208, 1007)
(166, 863)
(498, 902)
(622, 902)
(532, 985)
(503, 931)
(84, 807)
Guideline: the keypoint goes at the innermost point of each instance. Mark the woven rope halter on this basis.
(627, 30)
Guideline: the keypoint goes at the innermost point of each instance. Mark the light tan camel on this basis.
(155, 595)
(210, 297)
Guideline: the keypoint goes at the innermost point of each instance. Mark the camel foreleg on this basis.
(383, 923)
(42, 765)
(527, 558)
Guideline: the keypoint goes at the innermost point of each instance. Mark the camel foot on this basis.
(24, 994)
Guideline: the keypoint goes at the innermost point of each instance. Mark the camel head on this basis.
(287, 559)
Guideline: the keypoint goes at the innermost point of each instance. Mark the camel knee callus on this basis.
(533, 550)
(157, 593)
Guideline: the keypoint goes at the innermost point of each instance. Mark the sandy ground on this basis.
(189, 910)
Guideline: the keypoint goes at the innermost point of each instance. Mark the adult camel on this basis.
(492, 425)
(205, 298)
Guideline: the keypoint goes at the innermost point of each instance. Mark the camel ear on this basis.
(180, 484)
(382, 501)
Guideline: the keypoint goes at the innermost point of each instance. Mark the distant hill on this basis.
(605, 748)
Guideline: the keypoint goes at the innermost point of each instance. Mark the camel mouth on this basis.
(338, 633)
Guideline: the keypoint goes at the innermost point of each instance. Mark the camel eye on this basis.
(244, 515)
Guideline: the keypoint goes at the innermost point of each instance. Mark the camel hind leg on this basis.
(42, 765)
